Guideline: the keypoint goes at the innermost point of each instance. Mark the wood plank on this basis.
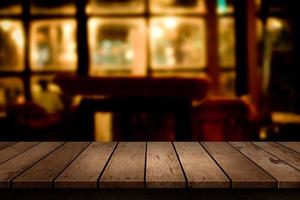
(163, 169)
(20, 163)
(4, 145)
(85, 170)
(291, 145)
(286, 176)
(242, 172)
(126, 167)
(44, 172)
(14, 150)
(200, 169)
(281, 152)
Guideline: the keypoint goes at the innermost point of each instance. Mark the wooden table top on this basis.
(150, 165)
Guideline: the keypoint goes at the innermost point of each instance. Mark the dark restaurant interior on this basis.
(149, 70)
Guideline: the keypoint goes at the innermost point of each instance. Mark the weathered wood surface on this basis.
(286, 176)
(23, 161)
(149, 165)
(291, 145)
(285, 154)
(44, 172)
(4, 145)
(14, 150)
(163, 168)
(242, 172)
(87, 167)
(200, 169)
(126, 167)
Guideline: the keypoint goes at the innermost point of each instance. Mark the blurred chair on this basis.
(224, 120)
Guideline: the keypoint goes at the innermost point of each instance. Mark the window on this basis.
(225, 7)
(279, 73)
(226, 47)
(53, 45)
(122, 38)
(11, 45)
(117, 46)
(177, 43)
(226, 42)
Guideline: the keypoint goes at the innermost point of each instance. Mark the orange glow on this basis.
(13, 36)
(177, 7)
(53, 45)
(117, 46)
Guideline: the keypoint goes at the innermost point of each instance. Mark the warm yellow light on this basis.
(156, 32)
(16, 33)
(274, 24)
(103, 127)
(68, 56)
(169, 51)
(263, 133)
(5, 25)
(20, 99)
(67, 30)
(93, 24)
(18, 37)
(171, 23)
(129, 54)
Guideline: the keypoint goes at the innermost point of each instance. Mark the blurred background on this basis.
(244, 55)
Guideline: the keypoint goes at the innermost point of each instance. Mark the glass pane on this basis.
(53, 7)
(177, 6)
(225, 6)
(227, 84)
(280, 33)
(11, 91)
(11, 7)
(115, 6)
(177, 43)
(11, 45)
(117, 46)
(227, 42)
(46, 94)
(53, 45)
(276, 35)
(279, 68)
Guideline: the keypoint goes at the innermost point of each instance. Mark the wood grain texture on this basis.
(163, 168)
(4, 145)
(85, 170)
(242, 172)
(281, 152)
(43, 173)
(20, 163)
(286, 176)
(200, 169)
(291, 145)
(126, 167)
(14, 150)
